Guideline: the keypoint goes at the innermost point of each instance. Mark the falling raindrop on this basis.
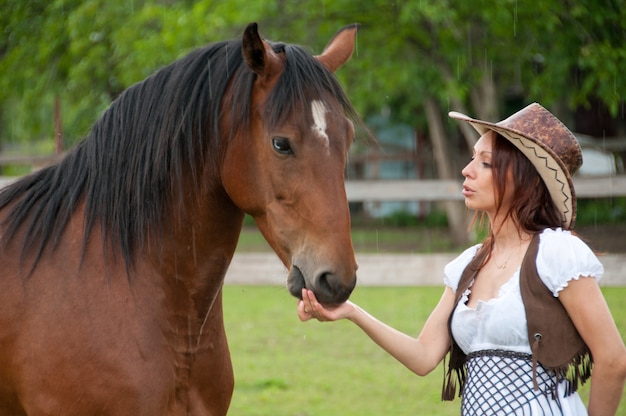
(515, 19)
(469, 44)
(356, 43)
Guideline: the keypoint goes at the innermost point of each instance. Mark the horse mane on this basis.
(129, 170)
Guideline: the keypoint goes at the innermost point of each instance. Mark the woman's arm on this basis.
(420, 355)
(585, 304)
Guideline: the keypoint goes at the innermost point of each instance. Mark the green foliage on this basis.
(601, 211)
(598, 29)
(86, 52)
(406, 219)
(402, 219)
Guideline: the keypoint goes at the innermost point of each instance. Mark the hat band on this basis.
(552, 173)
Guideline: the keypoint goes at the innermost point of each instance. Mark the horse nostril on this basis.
(295, 282)
(323, 283)
(330, 289)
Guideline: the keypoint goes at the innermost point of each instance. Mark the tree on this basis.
(88, 51)
(418, 60)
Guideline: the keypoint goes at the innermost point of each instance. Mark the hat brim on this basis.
(551, 169)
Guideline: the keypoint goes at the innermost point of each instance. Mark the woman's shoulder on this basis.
(563, 256)
(453, 270)
(562, 243)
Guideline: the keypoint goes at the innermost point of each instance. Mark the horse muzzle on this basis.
(328, 287)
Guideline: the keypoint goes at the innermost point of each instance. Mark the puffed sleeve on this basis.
(453, 270)
(563, 257)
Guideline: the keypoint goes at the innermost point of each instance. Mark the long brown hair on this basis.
(531, 207)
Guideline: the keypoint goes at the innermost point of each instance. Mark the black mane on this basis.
(131, 166)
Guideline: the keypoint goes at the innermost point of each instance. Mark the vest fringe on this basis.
(576, 372)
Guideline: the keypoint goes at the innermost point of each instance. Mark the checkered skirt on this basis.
(501, 383)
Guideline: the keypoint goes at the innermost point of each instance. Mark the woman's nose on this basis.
(466, 170)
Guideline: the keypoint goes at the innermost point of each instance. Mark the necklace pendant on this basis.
(502, 266)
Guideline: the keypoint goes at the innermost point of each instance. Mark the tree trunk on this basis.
(455, 210)
(484, 99)
(467, 131)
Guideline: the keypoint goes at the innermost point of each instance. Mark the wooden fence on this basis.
(447, 190)
(442, 190)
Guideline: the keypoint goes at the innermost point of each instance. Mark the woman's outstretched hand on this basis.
(309, 308)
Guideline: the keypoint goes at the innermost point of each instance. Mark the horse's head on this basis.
(288, 170)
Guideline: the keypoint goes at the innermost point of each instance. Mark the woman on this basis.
(522, 314)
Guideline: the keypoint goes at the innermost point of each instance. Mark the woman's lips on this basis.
(467, 191)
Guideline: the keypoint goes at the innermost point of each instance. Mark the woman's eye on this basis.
(281, 145)
(486, 165)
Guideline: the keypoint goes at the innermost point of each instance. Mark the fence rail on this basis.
(443, 190)
(35, 161)
(447, 190)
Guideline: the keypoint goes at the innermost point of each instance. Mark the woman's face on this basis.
(478, 188)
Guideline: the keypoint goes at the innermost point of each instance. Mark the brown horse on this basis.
(112, 261)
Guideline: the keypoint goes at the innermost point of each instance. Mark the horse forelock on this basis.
(304, 80)
(131, 167)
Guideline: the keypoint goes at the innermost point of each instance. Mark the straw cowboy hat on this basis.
(548, 144)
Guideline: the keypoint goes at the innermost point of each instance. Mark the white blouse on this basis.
(500, 323)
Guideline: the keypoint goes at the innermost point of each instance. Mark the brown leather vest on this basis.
(555, 342)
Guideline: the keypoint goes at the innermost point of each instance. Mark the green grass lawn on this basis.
(284, 367)
(372, 240)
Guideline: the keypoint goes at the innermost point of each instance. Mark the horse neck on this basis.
(197, 249)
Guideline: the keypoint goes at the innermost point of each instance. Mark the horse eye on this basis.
(281, 145)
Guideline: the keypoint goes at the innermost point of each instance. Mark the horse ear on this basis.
(339, 48)
(258, 54)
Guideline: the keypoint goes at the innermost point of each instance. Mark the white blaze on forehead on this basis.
(319, 120)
